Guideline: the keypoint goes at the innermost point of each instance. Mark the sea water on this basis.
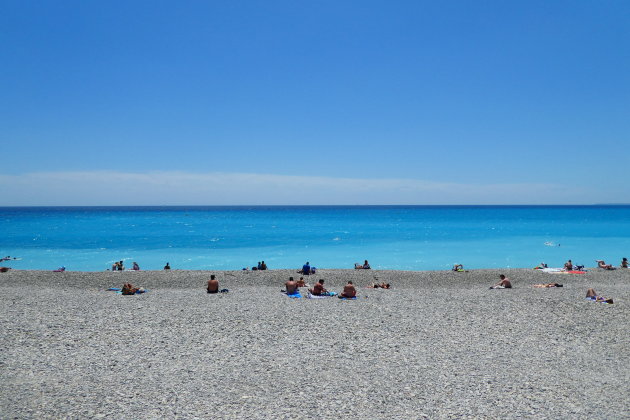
(390, 237)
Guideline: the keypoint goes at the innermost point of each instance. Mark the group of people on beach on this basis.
(505, 283)
(119, 266)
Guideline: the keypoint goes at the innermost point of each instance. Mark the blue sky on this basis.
(321, 102)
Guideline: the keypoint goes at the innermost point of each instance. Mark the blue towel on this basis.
(329, 294)
(294, 295)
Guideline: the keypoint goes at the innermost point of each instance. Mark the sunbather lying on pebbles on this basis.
(547, 285)
(602, 264)
(590, 294)
(379, 286)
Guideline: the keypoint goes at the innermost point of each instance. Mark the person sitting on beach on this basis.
(306, 269)
(590, 294)
(300, 282)
(458, 267)
(503, 284)
(541, 266)
(213, 284)
(60, 269)
(624, 263)
(135, 267)
(291, 286)
(263, 266)
(128, 289)
(568, 266)
(167, 266)
(364, 266)
(349, 291)
(602, 264)
(4, 269)
(547, 285)
(318, 289)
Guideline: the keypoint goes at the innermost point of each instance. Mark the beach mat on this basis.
(295, 295)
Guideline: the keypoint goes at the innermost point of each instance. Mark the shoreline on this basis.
(334, 277)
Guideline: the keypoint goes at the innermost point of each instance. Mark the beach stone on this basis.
(437, 345)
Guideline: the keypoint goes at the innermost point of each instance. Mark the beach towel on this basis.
(594, 299)
(296, 295)
(347, 298)
(327, 295)
(553, 270)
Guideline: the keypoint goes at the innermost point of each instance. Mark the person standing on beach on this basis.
(349, 291)
(213, 285)
(291, 286)
(167, 267)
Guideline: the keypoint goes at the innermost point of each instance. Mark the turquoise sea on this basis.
(390, 237)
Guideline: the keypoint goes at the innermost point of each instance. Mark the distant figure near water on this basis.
(568, 266)
(135, 267)
(503, 284)
(458, 267)
(624, 263)
(602, 264)
(307, 269)
(167, 266)
(365, 266)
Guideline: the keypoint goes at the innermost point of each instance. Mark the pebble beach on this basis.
(438, 344)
